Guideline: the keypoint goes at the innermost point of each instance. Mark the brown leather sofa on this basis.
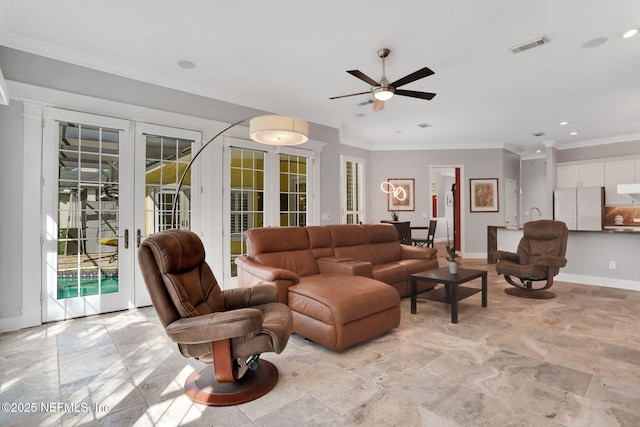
(342, 282)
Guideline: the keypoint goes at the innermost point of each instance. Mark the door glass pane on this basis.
(88, 179)
(247, 198)
(293, 190)
(166, 161)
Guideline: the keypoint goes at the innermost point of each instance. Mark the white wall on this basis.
(534, 189)
(415, 164)
(11, 194)
(588, 255)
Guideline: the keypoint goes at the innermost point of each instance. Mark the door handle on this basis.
(126, 239)
(138, 238)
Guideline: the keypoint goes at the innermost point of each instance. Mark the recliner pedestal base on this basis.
(534, 294)
(202, 387)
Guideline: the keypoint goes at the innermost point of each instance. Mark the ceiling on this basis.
(289, 57)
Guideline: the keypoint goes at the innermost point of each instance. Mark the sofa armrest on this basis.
(249, 297)
(216, 326)
(507, 256)
(551, 261)
(417, 252)
(345, 266)
(251, 273)
(265, 272)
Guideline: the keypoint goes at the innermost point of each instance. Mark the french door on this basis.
(266, 186)
(86, 202)
(112, 184)
(161, 156)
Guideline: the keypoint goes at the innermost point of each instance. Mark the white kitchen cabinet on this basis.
(580, 175)
(619, 172)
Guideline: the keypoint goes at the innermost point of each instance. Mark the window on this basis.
(88, 207)
(246, 198)
(352, 190)
(293, 190)
(166, 159)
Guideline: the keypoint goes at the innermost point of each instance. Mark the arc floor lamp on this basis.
(269, 129)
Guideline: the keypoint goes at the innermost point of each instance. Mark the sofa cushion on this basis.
(282, 247)
(391, 272)
(383, 240)
(337, 299)
(419, 265)
(320, 241)
(349, 240)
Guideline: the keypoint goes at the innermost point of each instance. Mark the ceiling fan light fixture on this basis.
(382, 93)
(278, 130)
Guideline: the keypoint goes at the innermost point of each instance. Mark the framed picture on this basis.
(484, 194)
(400, 194)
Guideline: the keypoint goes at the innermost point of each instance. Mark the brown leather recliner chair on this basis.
(227, 328)
(539, 257)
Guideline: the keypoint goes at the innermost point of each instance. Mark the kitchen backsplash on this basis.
(622, 215)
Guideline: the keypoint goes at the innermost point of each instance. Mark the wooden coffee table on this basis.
(451, 293)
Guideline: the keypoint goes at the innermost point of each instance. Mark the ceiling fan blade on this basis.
(415, 94)
(362, 76)
(378, 105)
(351, 94)
(417, 75)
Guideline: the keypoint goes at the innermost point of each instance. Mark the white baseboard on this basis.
(28, 319)
(474, 255)
(607, 282)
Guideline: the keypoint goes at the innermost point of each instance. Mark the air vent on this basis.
(538, 134)
(365, 103)
(530, 45)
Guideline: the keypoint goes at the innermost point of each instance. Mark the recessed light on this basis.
(360, 115)
(629, 33)
(424, 125)
(538, 151)
(564, 123)
(187, 65)
(573, 133)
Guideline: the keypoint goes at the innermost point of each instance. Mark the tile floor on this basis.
(570, 361)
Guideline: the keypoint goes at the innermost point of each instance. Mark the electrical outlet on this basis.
(612, 265)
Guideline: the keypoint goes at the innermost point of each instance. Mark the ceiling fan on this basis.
(383, 90)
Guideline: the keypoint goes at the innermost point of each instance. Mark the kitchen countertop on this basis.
(606, 229)
(492, 235)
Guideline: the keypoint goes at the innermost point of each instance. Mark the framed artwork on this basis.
(484, 194)
(400, 194)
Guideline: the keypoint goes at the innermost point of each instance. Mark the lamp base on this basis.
(202, 387)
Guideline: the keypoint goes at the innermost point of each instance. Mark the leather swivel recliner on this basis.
(229, 329)
(539, 257)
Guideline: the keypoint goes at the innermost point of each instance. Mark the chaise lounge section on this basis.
(342, 282)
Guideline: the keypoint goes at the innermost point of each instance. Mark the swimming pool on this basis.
(71, 287)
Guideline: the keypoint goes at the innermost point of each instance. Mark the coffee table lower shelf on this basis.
(451, 293)
(440, 294)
